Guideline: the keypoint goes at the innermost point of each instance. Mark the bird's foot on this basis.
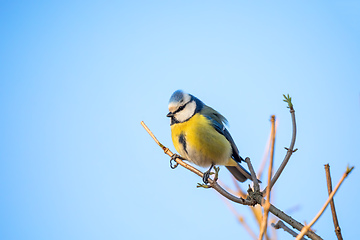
(173, 159)
(208, 173)
(206, 176)
(217, 169)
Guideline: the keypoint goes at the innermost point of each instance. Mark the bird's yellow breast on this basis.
(199, 142)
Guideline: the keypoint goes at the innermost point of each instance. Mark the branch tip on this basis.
(287, 99)
(290, 150)
(348, 170)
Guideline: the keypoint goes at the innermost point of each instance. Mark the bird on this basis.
(199, 135)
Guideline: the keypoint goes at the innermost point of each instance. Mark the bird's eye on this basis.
(181, 108)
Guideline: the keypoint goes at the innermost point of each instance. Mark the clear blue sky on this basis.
(77, 77)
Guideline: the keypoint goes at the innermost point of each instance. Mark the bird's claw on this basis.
(208, 173)
(206, 176)
(217, 169)
(172, 160)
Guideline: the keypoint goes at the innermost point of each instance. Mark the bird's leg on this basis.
(207, 174)
(217, 169)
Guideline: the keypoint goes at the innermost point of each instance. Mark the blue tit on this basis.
(198, 133)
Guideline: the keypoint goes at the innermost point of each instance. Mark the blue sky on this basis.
(77, 77)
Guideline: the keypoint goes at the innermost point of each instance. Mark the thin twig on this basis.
(332, 204)
(273, 230)
(307, 227)
(266, 153)
(267, 202)
(153, 137)
(253, 175)
(281, 224)
(212, 183)
(264, 158)
(290, 150)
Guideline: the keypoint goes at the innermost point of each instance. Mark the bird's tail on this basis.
(240, 173)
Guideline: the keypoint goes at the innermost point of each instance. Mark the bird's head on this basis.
(182, 106)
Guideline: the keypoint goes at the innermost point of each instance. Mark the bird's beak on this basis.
(170, 114)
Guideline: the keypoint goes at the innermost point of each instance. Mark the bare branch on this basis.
(266, 153)
(253, 175)
(292, 222)
(332, 204)
(281, 224)
(290, 150)
(307, 227)
(267, 202)
(264, 158)
(274, 232)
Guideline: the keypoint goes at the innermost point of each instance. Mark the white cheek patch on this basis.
(187, 112)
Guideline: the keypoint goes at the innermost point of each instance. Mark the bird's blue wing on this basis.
(218, 121)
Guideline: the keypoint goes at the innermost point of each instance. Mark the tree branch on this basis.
(267, 202)
(292, 222)
(281, 224)
(253, 175)
(307, 227)
(290, 150)
(332, 204)
(266, 154)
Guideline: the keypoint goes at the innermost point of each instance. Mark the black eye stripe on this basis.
(180, 108)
